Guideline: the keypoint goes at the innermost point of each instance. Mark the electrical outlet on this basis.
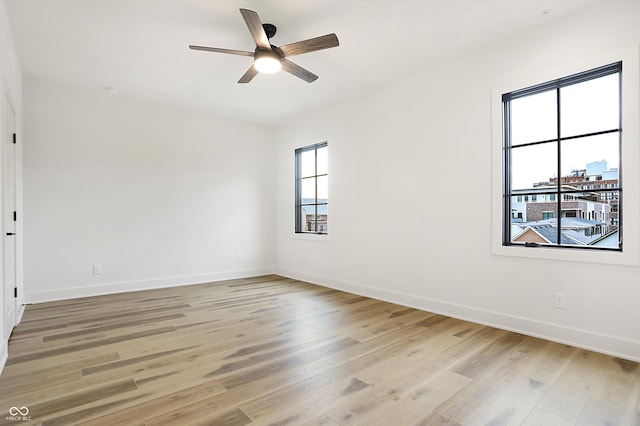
(559, 300)
(97, 268)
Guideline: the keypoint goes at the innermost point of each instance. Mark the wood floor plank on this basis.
(33, 371)
(232, 417)
(86, 345)
(155, 405)
(504, 393)
(401, 401)
(577, 384)
(540, 417)
(80, 397)
(79, 415)
(308, 377)
(40, 382)
(422, 384)
(284, 364)
(322, 420)
(101, 329)
(387, 322)
(339, 386)
(322, 389)
(277, 351)
(612, 404)
(476, 364)
(435, 419)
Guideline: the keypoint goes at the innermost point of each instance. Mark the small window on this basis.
(559, 137)
(312, 189)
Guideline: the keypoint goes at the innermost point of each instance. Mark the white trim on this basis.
(630, 255)
(129, 286)
(20, 313)
(4, 355)
(580, 338)
(311, 237)
(7, 146)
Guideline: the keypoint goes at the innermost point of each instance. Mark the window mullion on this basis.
(298, 192)
(315, 199)
(559, 167)
(506, 230)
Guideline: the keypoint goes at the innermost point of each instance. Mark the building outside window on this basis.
(559, 138)
(312, 189)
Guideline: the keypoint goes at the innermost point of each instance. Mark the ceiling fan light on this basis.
(267, 62)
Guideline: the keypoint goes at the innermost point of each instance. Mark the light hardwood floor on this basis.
(276, 351)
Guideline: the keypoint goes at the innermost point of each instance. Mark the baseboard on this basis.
(129, 286)
(4, 355)
(4, 346)
(610, 345)
(20, 313)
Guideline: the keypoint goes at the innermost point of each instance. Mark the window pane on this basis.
(322, 161)
(308, 163)
(323, 188)
(308, 187)
(587, 223)
(534, 118)
(518, 209)
(595, 155)
(533, 164)
(531, 233)
(323, 214)
(591, 106)
(309, 218)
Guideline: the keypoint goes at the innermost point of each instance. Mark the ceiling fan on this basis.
(268, 58)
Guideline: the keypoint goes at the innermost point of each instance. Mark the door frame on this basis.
(9, 127)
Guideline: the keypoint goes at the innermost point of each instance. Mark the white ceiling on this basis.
(140, 47)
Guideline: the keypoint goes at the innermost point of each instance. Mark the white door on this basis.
(9, 190)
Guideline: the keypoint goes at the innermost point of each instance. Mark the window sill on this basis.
(311, 237)
(611, 257)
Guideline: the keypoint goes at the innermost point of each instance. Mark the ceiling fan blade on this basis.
(298, 71)
(310, 45)
(248, 76)
(255, 28)
(216, 49)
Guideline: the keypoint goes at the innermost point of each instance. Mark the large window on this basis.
(312, 189)
(560, 138)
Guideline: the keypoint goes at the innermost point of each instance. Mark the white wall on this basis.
(411, 194)
(10, 88)
(158, 196)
